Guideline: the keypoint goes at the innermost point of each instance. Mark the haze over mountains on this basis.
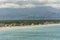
(29, 13)
(29, 10)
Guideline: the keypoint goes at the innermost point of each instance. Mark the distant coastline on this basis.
(27, 26)
(22, 23)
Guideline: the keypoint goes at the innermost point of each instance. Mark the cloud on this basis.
(12, 5)
(16, 4)
(8, 5)
(53, 5)
(28, 3)
(50, 1)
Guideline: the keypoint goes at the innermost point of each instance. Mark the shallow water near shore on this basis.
(34, 33)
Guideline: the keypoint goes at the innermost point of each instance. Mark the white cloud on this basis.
(53, 5)
(3, 0)
(52, 1)
(7, 5)
(11, 5)
(42, 0)
(16, 4)
(28, 3)
(28, 6)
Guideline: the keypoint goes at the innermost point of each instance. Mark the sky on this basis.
(29, 3)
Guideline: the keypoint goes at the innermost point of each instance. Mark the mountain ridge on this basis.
(36, 13)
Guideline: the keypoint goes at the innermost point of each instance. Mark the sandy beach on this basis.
(29, 26)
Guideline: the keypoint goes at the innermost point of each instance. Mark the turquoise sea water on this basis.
(34, 33)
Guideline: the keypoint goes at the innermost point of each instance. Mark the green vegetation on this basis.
(4, 23)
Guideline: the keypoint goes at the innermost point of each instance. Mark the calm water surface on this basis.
(37, 33)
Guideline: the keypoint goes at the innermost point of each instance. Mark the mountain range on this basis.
(36, 13)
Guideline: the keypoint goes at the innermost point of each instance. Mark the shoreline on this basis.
(28, 26)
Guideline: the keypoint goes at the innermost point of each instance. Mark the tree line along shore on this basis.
(8, 23)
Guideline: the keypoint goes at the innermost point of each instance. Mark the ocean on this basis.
(33, 33)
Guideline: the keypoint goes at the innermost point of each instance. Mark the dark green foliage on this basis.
(26, 22)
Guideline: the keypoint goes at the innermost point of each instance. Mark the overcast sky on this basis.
(29, 3)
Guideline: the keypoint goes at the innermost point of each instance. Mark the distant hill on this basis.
(37, 13)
